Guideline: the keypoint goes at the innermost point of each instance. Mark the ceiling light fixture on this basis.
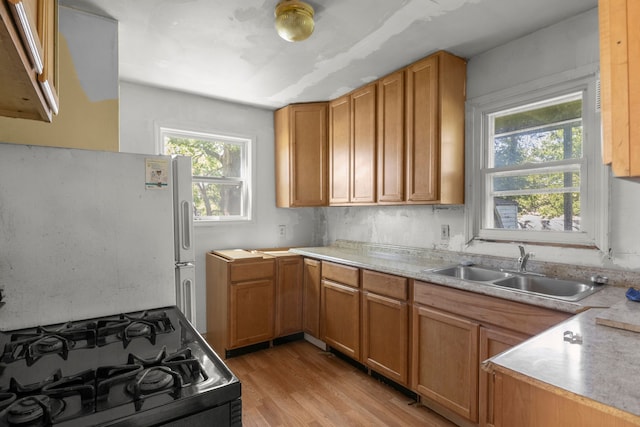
(294, 20)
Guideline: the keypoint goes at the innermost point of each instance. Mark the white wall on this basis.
(142, 108)
(563, 47)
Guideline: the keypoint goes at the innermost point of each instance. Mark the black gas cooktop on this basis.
(135, 369)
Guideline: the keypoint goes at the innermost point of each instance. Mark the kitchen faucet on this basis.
(522, 260)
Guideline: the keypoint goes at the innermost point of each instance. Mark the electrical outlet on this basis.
(282, 231)
(444, 232)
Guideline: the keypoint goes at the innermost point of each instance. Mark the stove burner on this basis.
(41, 341)
(49, 344)
(34, 408)
(6, 399)
(138, 329)
(127, 327)
(152, 380)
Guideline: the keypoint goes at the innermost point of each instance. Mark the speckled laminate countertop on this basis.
(416, 266)
(602, 367)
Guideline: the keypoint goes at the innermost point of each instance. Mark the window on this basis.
(537, 175)
(221, 173)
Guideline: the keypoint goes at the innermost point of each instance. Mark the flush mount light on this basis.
(294, 20)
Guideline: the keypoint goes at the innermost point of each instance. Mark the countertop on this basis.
(414, 266)
(602, 366)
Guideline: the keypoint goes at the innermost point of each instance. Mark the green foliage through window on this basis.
(534, 167)
(220, 173)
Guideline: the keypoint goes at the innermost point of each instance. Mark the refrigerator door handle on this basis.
(188, 300)
(185, 223)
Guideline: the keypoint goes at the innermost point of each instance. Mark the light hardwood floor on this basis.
(298, 384)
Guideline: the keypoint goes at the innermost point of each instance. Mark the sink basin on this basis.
(473, 273)
(567, 290)
(547, 286)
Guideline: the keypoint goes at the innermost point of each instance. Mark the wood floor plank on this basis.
(297, 384)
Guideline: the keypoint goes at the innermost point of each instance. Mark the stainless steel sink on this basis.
(556, 288)
(567, 290)
(473, 273)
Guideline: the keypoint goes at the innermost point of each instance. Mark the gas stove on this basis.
(136, 369)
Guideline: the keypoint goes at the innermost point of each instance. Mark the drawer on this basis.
(341, 274)
(385, 284)
(243, 271)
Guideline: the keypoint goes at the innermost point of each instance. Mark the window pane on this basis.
(553, 180)
(221, 168)
(210, 158)
(535, 166)
(538, 133)
(217, 199)
(545, 212)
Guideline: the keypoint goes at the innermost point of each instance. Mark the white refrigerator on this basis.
(87, 233)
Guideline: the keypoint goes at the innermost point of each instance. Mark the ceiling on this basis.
(230, 50)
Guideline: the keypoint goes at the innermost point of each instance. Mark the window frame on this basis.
(594, 181)
(248, 178)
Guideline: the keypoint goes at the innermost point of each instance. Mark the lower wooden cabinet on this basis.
(311, 297)
(445, 360)
(453, 332)
(523, 403)
(341, 318)
(288, 295)
(251, 309)
(340, 308)
(253, 297)
(385, 325)
(240, 299)
(493, 341)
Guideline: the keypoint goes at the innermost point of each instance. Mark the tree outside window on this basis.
(221, 177)
(534, 167)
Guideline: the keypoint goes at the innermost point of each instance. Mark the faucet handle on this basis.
(521, 251)
(600, 280)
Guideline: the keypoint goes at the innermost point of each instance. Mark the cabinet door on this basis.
(363, 145)
(309, 137)
(390, 142)
(339, 149)
(251, 312)
(301, 155)
(423, 136)
(523, 403)
(445, 360)
(340, 318)
(28, 34)
(311, 297)
(289, 296)
(48, 31)
(492, 342)
(620, 84)
(385, 336)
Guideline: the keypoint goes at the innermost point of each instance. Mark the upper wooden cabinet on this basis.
(28, 59)
(435, 96)
(397, 140)
(352, 147)
(620, 85)
(421, 132)
(339, 150)
(391, 140)
(301, 155)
